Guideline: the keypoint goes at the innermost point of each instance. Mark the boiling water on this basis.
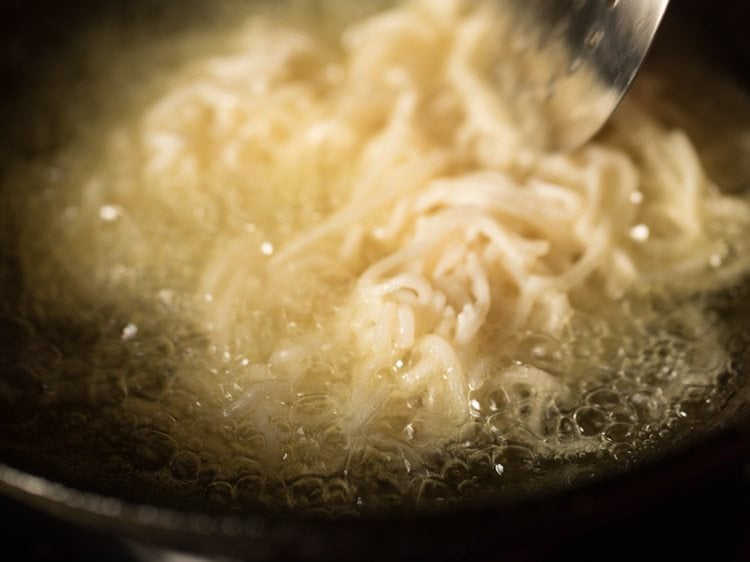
(110, 372)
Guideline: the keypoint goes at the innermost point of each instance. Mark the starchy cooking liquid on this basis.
(309, 266)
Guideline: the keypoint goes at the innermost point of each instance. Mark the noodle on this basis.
(470, 231)
(485, 234)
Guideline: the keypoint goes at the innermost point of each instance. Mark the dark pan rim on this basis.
(515, 525)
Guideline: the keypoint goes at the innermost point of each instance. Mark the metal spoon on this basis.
(586, 54)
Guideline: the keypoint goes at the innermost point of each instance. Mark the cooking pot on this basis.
(34, 34)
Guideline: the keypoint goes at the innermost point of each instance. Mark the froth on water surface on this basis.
(120, 409)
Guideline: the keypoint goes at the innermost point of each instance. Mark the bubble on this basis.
(567, 429)
(219, 493)
(624, 413)
(291, 469)
(249, 489)
(151, 381)
(497, 400)
(76, 428)
(566, 402)
(185, 466)
(661, 375)
(434, 493)
(332, 436)
(337, 492)
(471, 487)
(307, 492)
(541, 351)
(159, 347)
(590, 420)
(455, 470)
(738, 344)
(626, 384)
(695, 402)
(42, 357)
(605, 398)
(622, 452)
(618, 432)
(181, 404)
(152, 449)
(209, 470)
(382, 492)
(513, 458)
(250, 438)
(274, 494)
(501, 422)
(648, 405)
(126, 423)
(108, 387)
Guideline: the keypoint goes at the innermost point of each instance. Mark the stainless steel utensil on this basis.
(585, 54)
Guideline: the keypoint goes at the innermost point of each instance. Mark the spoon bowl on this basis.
(586, 54)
